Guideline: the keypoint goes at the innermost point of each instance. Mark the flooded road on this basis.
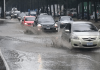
(44, 51)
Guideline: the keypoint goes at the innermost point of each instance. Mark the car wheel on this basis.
(34, 25)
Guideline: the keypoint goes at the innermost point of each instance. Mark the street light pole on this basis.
(4, 8)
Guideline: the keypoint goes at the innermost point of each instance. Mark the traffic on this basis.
(78, 33)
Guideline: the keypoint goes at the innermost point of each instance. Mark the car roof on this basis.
(79, 22)
(66, 16)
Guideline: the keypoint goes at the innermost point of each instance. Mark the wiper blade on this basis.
(77, 31)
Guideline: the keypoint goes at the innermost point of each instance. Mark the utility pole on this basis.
(77, 8)
(88, 10)
(38, 6)
(82, 9)
(3, 9)
(95, 9)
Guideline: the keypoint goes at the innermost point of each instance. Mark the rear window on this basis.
(29, 18)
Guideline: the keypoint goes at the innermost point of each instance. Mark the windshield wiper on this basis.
(77, 31)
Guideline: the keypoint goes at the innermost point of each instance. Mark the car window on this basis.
(65, 18)
(29, 18)
(84, 27)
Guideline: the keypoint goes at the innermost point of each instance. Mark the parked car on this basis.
(28, 20)
(63, 20)
(47, 23)
(21, 15)
(82, 35)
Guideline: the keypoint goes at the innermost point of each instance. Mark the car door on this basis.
(67, 32)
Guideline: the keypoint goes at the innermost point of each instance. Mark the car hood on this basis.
(86, 33)
(66, 21)
(48, 23)
(29, 21)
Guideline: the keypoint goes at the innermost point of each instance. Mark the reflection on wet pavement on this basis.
(22, 55)
(19, 60)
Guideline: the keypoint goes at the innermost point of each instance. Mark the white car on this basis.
(82, 35)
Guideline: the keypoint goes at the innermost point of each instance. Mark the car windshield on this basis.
(46, 19)
(29, 18)
(84, 27)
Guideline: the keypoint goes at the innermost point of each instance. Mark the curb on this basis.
(5, 62)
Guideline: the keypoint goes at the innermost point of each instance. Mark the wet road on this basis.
(30, 50)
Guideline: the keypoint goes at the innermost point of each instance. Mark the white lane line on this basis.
(5, 62)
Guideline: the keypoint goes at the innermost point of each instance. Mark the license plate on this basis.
(89, 43)
(48, 28)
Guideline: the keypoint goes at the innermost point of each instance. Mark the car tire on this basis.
(34, 25)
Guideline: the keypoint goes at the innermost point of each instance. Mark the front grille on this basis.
(89, 39)
(90, 45)
(29, 24)
(47, 25)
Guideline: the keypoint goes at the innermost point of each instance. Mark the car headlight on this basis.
(39, 25)
(74, 37)
(56, 25)
(25, 23)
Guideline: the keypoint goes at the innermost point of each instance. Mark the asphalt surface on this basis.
(24, 48)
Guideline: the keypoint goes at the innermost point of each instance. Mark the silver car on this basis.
(82, 35)
(63, 20)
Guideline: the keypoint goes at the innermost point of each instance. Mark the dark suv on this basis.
(47, 22)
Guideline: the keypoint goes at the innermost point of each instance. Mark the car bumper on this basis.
(83, 44)
(48, 28)
(28, 24)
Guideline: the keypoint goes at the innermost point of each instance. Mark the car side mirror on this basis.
(67, 31)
